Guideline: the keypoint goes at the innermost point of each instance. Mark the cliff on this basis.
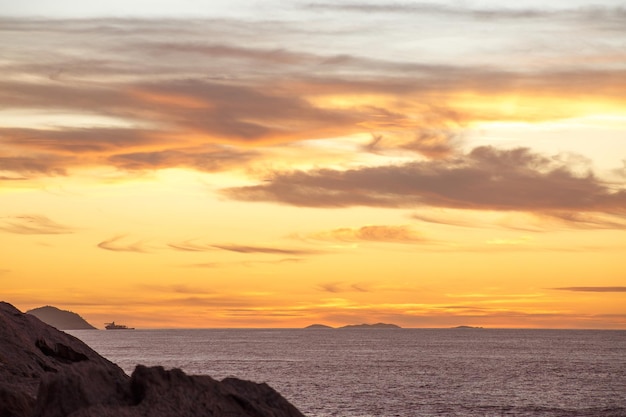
(47, 373)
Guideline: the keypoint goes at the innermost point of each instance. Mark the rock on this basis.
(61, 319)
(47, 373)
(31, 350)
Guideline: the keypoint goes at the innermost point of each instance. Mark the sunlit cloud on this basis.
(373, 233)
(32, 224)
(173, 115)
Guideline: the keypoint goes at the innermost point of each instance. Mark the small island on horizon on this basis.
(356, 326)
(467, 327)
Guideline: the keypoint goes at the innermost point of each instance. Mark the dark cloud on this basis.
(35, 165)
(114, 244)
(592, 289)
(210, 158)
(28, 224)
(485, 178)
(78, 141)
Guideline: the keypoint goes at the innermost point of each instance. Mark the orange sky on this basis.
(229, 170)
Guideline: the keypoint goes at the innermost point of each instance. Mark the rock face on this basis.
(61, 319)
(47, 373)
(31, 351)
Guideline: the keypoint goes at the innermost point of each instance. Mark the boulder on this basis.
(31, 351)
(47, 373)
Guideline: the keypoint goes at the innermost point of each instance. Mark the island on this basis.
(356, 326)
(371, 326)
(61, 319)
(318, 326)
(467, 327)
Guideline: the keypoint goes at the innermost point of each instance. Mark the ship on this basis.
(113, 326)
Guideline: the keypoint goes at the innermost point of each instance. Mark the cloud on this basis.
(339, 287)
(265, 250)
(434, 143)
(189, 246)
(246, 263)
(209, 158)
(31, 224)
(208, 96)
(50, 165)
(484, 179)
(591, 289)
(75, 141)
(113, 244)
(505, 14)
(374, 233)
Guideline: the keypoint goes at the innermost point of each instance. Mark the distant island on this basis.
(318, 326)
(61, 319)
(356, 326)
(467, 327)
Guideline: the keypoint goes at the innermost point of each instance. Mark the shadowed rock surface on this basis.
(47, 373)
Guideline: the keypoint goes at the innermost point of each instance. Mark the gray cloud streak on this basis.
(485, 178)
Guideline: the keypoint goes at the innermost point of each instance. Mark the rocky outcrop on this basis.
(31, 351)
(47, 373)
(61, 319)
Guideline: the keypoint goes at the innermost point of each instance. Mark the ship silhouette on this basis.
(113, 326)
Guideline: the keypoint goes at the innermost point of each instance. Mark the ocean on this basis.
(398, 372)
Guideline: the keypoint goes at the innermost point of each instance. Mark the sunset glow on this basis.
(246, 165)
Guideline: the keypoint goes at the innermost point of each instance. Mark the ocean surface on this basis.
(398, 372)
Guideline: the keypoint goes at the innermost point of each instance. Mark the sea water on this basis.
(398, 372)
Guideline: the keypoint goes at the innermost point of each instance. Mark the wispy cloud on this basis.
(114, 244)
(340, 287)
(250, 263)
(505, 14)
(592, 289)
(190, 246)
(265, 250)
(373, 233)
(31, 224)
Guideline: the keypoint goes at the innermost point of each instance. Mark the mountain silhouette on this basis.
(61, 319)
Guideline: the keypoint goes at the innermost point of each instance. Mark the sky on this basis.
(188, 164)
